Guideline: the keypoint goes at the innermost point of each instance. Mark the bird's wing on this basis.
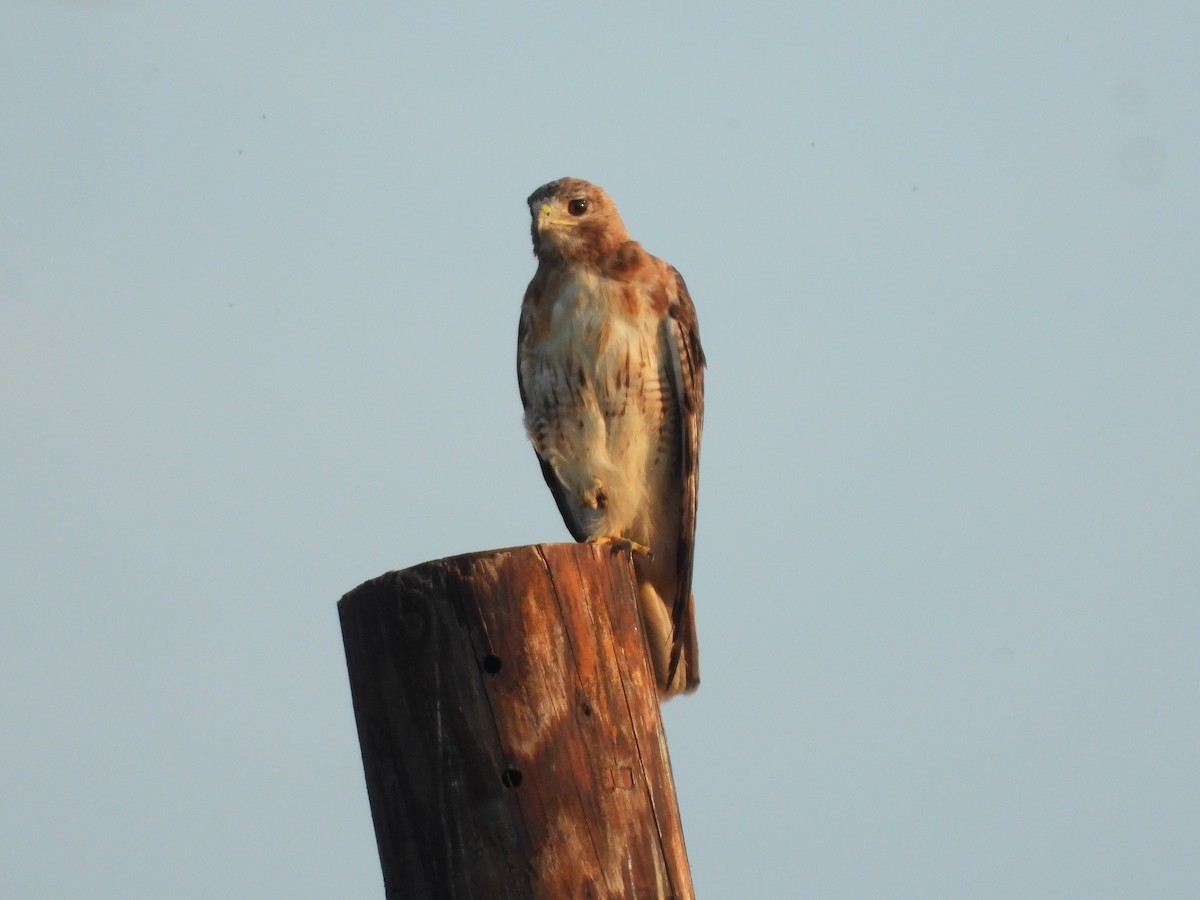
(552, 482)
(681, 335)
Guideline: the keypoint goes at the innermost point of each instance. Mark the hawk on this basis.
(611, 375)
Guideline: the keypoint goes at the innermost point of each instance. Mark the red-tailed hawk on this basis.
(612, 380)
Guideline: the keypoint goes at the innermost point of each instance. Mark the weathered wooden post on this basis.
(510, 729)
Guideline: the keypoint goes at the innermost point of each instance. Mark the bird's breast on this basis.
(589, 317)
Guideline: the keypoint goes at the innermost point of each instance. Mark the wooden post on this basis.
(510, 729)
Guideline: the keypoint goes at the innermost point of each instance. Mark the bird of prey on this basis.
(611, 375)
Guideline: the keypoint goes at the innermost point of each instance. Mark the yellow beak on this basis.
(544, 217)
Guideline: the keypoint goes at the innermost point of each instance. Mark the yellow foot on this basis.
(595, 497)
(619, 543)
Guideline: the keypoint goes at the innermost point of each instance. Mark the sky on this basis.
(260, 272)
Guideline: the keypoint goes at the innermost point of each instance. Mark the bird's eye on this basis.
(577, 207)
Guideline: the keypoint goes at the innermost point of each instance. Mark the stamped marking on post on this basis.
(618, 778)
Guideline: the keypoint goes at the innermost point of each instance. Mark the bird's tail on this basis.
(673, 650)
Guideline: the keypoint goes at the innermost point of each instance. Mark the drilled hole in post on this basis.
(511, 778)
(491, 664)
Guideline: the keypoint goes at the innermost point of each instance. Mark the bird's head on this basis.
(575, 221)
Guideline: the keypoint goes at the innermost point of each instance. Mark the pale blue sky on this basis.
(260, 268)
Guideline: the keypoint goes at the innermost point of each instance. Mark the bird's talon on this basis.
(595, 497)
(620, 543)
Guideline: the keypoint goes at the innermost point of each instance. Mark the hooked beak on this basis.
(545, 220)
